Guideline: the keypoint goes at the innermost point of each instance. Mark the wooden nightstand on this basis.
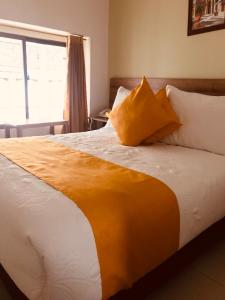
(97, 122)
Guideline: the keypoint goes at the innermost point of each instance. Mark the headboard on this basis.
(203, 86)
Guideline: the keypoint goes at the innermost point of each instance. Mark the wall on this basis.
(149, 37)
(86, 17)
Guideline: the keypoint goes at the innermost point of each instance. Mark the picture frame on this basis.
(205, 16)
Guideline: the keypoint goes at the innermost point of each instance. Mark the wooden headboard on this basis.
(203, 86)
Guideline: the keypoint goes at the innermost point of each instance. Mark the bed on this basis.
(38, 224)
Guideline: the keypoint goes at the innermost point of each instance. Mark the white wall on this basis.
(149, 37)
(87, 17)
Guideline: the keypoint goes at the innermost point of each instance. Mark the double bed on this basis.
(46, 242)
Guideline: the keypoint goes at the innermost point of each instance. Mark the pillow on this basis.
(203, 120)
(173, 124)
(122, 93)
(138, 116)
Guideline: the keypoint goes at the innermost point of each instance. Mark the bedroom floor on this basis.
(204, 279)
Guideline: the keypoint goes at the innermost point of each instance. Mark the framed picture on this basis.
(206, 15)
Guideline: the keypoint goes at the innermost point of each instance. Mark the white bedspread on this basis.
(46, 242)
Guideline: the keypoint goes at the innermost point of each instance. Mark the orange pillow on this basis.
(139, 116)
(173, 125)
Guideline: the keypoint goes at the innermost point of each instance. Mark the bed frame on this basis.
(203, 86)
(194, 249)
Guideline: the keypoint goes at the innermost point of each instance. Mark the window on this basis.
(32, 78)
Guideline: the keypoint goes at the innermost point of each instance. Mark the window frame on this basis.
(25, 39)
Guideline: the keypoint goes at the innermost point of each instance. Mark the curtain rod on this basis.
(44, 32)
(78, 35)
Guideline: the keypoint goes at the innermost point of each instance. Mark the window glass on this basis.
(12, 103)
(46, 66)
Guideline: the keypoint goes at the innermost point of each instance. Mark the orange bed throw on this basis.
(134, 217)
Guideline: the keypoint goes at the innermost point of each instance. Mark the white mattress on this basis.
(46, 243)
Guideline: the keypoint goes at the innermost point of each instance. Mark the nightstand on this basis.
(97, 122)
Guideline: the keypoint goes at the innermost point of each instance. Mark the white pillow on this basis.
(122, 93)
(203, 119)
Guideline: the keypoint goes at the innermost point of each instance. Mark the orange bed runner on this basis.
(134, 217)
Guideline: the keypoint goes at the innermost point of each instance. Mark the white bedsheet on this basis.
(46, 243)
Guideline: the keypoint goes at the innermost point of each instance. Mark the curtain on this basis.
(75, 110)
